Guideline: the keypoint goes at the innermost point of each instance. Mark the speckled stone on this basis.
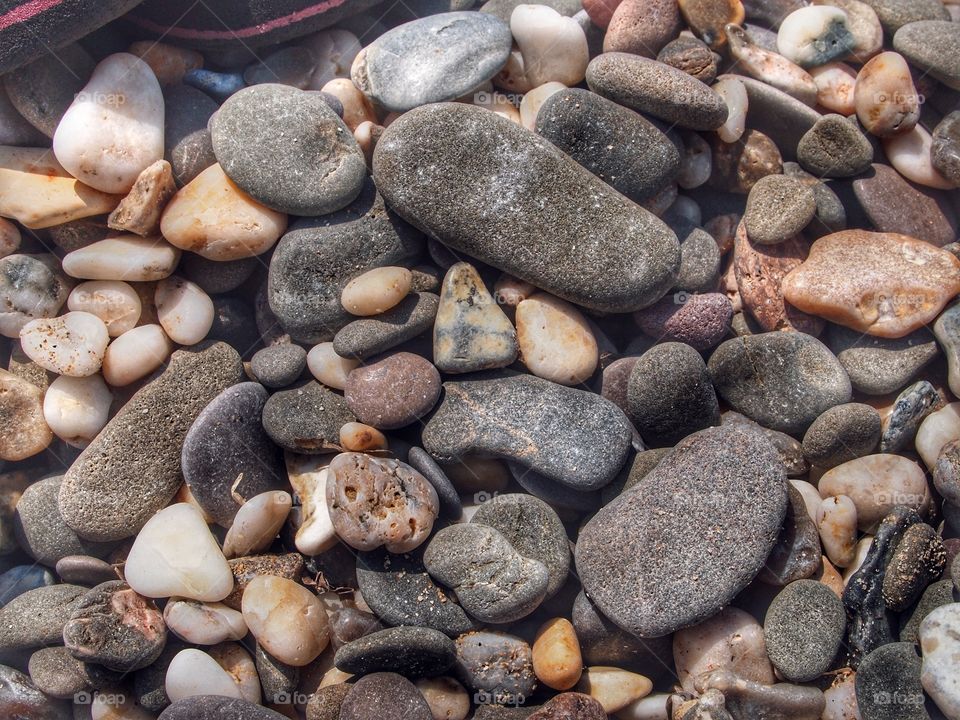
(326, 702)
(384, 696)
(945, 150)
(909, 410)
(288, 150)
(877, 366)
(535, 234)
(712, 508)
(784, 381)
(85, 570)
(789, 449)
(18, 694)
(842, 433)
(642, 27)
(699, 260)
(657, 89)
(947, 331)
(450, 505)
(946, 472)
(410, 651)
(930, 45)
(778, 207)
(36, 618)
(773, 113)
(217, 707)
(245, 569)
(43, 89)
(692, 56)
(534, 530)
(132, 468)
(888, 684)
(570, 706)
(607, 139)
(918, 559)
(831, 215)
(571, 436)
(57, 673)
(317, 257)
(187, 144)
(278, 366)
(700, 321)
(393, 392)
(803, 629)
(366, 337)
(306, 419)
(936, 595)
(797, 553)
(498, 666)
(834, 147)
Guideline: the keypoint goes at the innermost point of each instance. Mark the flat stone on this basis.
(384, 696)
(433, 59)
(580, 440)
(931, 46)
(44, 89)
(781, 117)
(889, 672)
(656, 89)
(57, 673)
(834, 147)
(842, 433)
(187, 144)
(213, 707)
(227, 442)
(938, 672)
(778, 207)
(306, 419)
(132, 468)
(410, 651)
(288, 150)
(720, 495)
(24, 431)
(36, 618)
(632, 257)
(366, 337)
(607, 139)
(394, 391)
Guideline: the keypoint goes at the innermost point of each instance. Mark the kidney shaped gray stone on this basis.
(570, 436)
(674, 550)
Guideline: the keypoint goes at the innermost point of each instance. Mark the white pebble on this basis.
(72, 344)
(805, 33)
(239, 665)
(114, 704)
(328, 367)
(734, 94)
(193, 672)
(841, 699)
(498, 103)
(696, 162)
(837, 522)
(136, 354)
(287, 620)
(534, 100)
(554, 47)
(940, 645)
(909, 153)
(811, 496)
(308, 476)
(77, 408)
(185, 311)
(126, 257)
(257, 523)
(376, 291)
(835, 87)
(936, 430)
(203, 623)
(556, 342)
(113, 301)
(652, 707)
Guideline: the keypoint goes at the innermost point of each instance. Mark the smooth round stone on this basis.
(878, 366)
(918, 559)
(607, 139)
(831, 215)
(614, 688)
(631, 262)
(227, 441)
(203, 623)
(910, 153)
(778, 207)
(278, 366)
(835, 87)
(734, 95)
(125, 257)
(384, 696)
(84, 570)
(193, 672)
(938, 429)
(184, 310)
(731, 640)
(207, 707)
(328, 367)
(187, 144)
(174, 554)
(931, 46)
(699, 260)
(784, 381)
(257, 523)
(57, 673)
(553, 47)
(654, 596)
(492, 580)
(217, 277)
(115, 627)
(803, 629)
(701, 321)
(654, 88)
(72, 344)
(939, 669)
(670, 394)
(376, 291)
(433, 59)
(876, 484)
(393, 392)
(842, 433)
(31, 286)
(214, 218)
(886, 99)
(815, 35)
(288, 164)
(834, 147)
(450, 504)
(113, 301)
(76, 409)
(135, 354)
(642, 28)
(556, 342)
(556, 655)
(471, 331)
(286, 619)
(533, 529)
(946, 472)
(497, 666)
(306, 419)
(945, 147)
(410, 651)
(114, 128)
(367, 337)
(24, 431)
(888, 684)
(36, 618)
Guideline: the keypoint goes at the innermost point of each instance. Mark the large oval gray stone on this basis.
(676, 549)
(485, 186)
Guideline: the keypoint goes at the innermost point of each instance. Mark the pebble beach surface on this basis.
(465, 359)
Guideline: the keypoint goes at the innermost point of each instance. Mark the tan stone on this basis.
(886, 100)
(139, 212)
(287, 619)
(23, 431)
(168, 62)
(557, 661)
(612, 687)
(883, 284)
(707, 18)
(556, 342)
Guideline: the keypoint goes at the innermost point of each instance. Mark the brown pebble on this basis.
(394, 391)
(707, 18)
(245, 569)
(737, 166)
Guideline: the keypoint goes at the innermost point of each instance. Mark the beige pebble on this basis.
(77, 408)
(447, 698)
(554, 47)
(357, 437)
(734, 94)
(72, 344)
(863, 549)
(113, 301)
(651, 707)
(498, 103)
(136, 354)
(376, 291)
(37, 192)
(829, 576)
(811, 496)
(367, 134)
(909, 153)
(185, 311)
(193, 672)
(534, 100)
(511, 291)
(308, 476)
(286, 619)
(334, 676)
(9, 238)
(557, 661)
(837, 522)
(239, 665)
(334, 50)
(214, 218)
(841, 698)
(886, 100)
(513, 77)
(203, 623)
(731, 640)
(556, 342)
(356, 106)
(328, 367)
(168, 62)
(612, 687)
(936, 430)
(126, 257)
(23, 432)
(257, 523)
(835, 87)
(139, 212)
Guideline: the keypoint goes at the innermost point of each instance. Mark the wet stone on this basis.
(384, 696)
(279, 365)
(498, 666)
(36, 618)
(892, 670)
(842, 433)
(877, 366)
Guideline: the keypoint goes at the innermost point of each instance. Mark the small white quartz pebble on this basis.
(185, 311)
(328, 367)
(287, 620)
(193, 672)
(77, 408)
(376, 291)
(556, 342)
(72, 344)
(126, 257)
(308, 476)
(554, 47)
(203, 623)
(113, 301)
(734, 94)
(136, 354)
(940, 645)
(534, 100)
(835, 87)
(936, 430)
(652, 707)
(257, 523)
(174, 554)
(114, 128)
(812, 35)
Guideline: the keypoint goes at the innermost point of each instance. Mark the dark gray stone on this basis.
(21, 698)
(279, 365)
(699, 261)
(85, 570)
(555, 493)
(834, 147)
(945, 150)
(187, 144)
(149, 684)
(503, 9)
(778, 207)
(384, 696)
(217, 276)
(277, 679)
(918, 559)
(877, 366)
(450, 505)
(909, 410)
(842, 433)
(216, 707)
(888, 684)
(306, 419)
(292, 66)
(43, 90)
(930, 43)
(57, 673)
(366, 337)
(497, 666)
(410, 651)
(831, 216)
(797, 553)
(936, 595)
(789, 449)
(803, 629)
(36, 618)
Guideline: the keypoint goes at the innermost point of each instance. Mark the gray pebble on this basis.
(497, 666)
(85, 570)
(410, 651)
(36, 618)
(57, 673)
(306, 419)
(946, 472)
(217, 707)
(803, 629)
(945, 150)
(450, 505)
(293, 66)
(555, 493)
(278, 366)
(503, 9)
(936, 595)
(187, 144)
(831, 216)
(23, 578)
(947, 331)
(779, 116)
(44, 89)
(877, 366)
(31, 286)
(218, 276)
(789, 449)
(930, 45)
(366, 337)
(277, 679)
(918, 559)
(909, 410)
(842, 433)
(888, 684)
(149, 684)
(699, 261)
(692, 56)
(797, 553)
(834, 147)
(778, 207)
(384, 696)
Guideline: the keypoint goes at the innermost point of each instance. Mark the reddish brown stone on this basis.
(642, 27)
(394, 391)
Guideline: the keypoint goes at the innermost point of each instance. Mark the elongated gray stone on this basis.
(484, 186)
(947, 331)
